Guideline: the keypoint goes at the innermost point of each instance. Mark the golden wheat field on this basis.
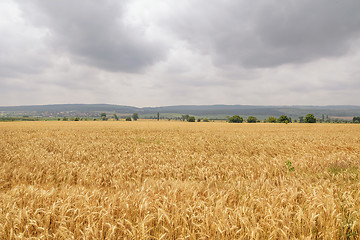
(177, 180)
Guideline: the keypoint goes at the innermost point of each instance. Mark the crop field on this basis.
(179, 180)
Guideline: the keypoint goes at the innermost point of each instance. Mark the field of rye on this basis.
(179, 180)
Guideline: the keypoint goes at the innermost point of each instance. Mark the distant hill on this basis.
(70, 108)
(215, 111)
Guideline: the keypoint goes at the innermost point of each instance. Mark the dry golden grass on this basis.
(175, 180)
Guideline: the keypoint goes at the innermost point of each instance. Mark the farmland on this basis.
(179, 180)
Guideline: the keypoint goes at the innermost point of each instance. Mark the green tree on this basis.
(309, 118)
(65, 118)
(251, 119)
(103, 116)
(271, 119)
(191, 119)
(199, 120)
(116, 117)
(77, 119)
(235, 119)
(205, 120)
(301, 119)
(356, 120)
(128, 119)
(135, 116)
(283, 119)
(184, 117)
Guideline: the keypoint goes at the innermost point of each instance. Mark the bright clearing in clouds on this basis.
(148, 53)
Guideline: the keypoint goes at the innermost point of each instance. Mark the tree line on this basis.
(309, 118)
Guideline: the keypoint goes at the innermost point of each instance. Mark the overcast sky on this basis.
(157, 52)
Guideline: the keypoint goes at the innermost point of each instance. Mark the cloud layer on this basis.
(94, 33)
(269, 33)
(148, 53)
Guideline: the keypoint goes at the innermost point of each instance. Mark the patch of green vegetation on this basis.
(347, 230)
(15, 119)
(289, 166)
(140, 140)
(347, 172)
(337, 168)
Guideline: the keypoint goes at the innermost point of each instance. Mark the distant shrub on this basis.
(271, 119)
(283, 119)
(128, 119)
(185, 117)
(103, 117)
(356, 120)
(235, 119)
(310, 118)
(251, 119)
(191, 119)
(205, 120)
(135, 116)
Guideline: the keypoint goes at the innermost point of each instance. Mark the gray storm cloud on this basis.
(269, 33)
(95, 33)
(263, 33)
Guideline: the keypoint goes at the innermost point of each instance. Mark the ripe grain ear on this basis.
(174, 180)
